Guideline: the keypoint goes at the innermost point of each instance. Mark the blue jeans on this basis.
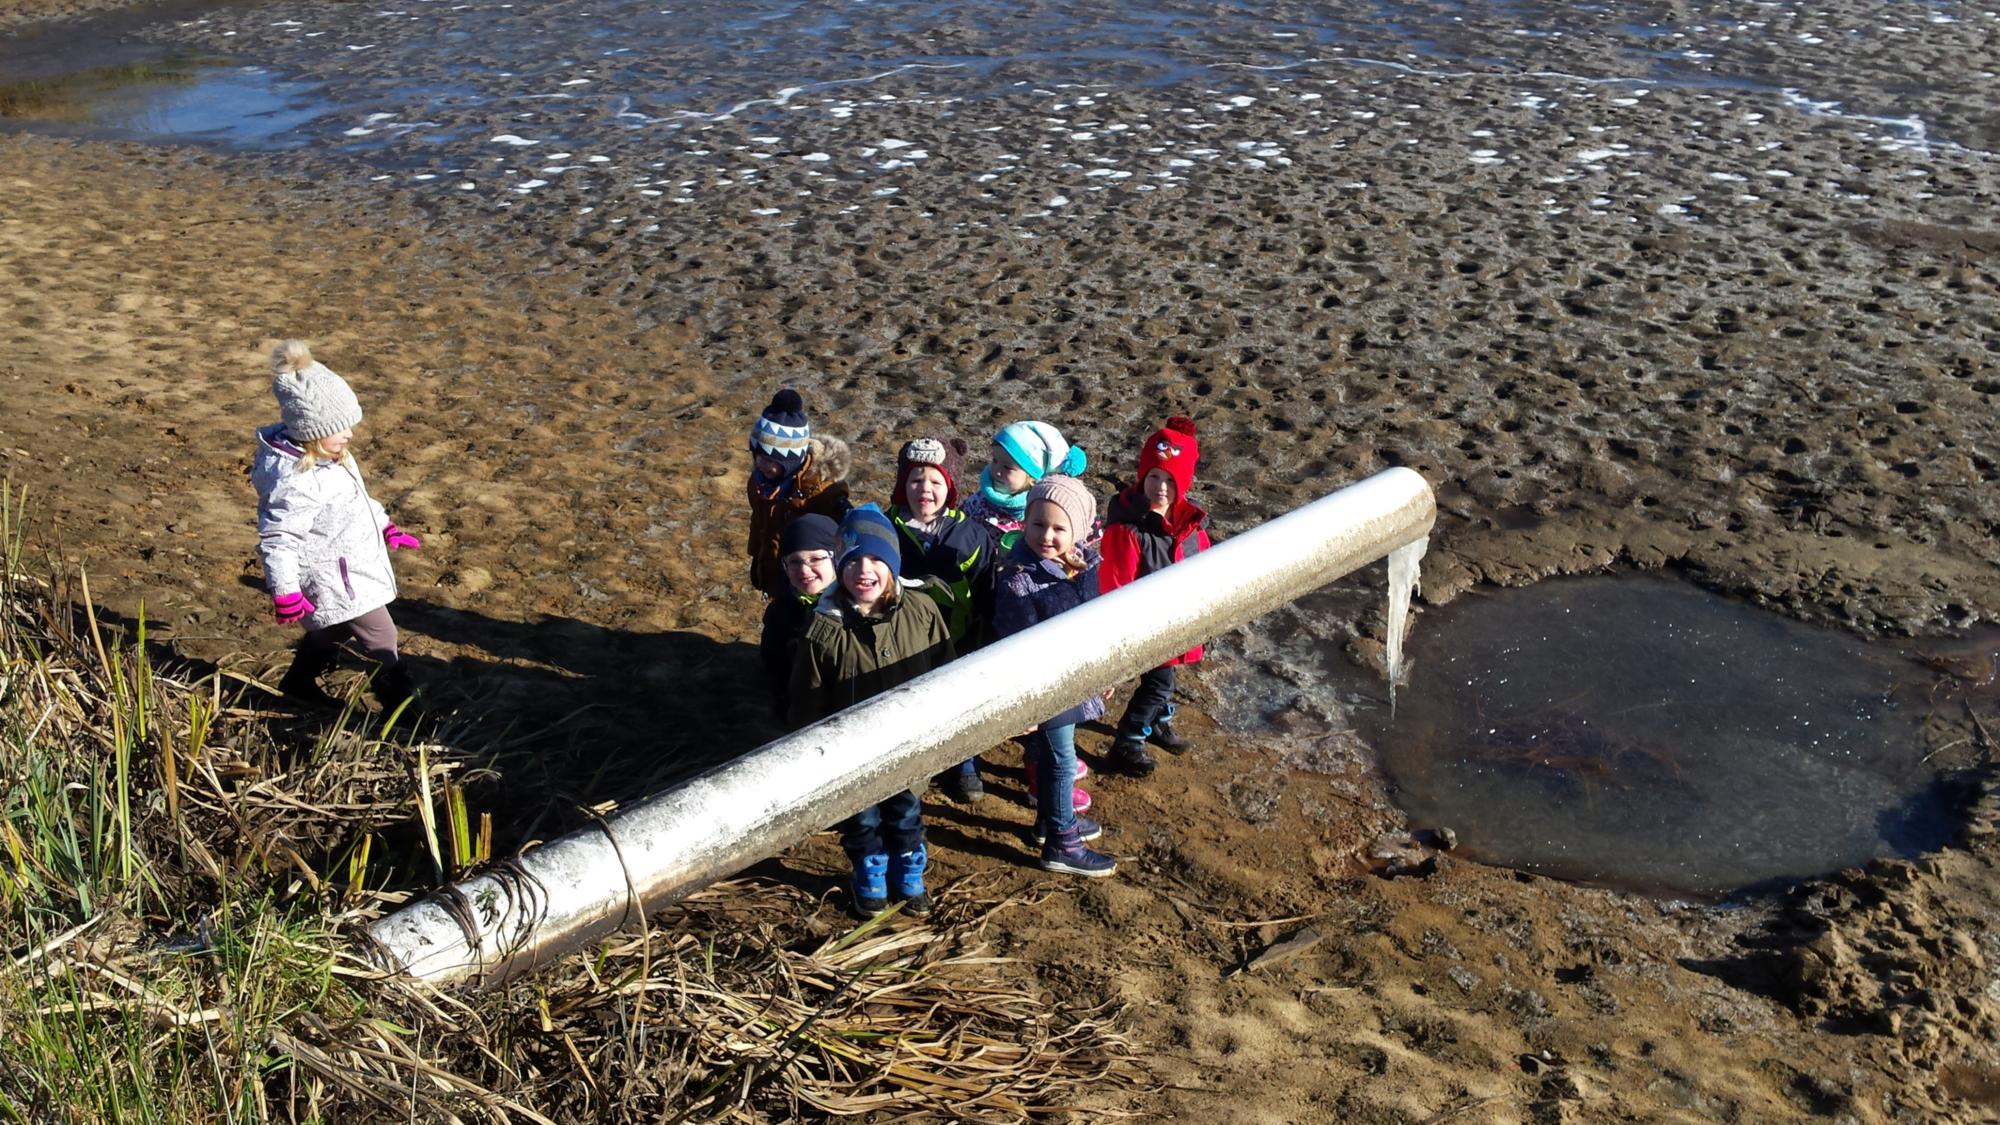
(1054, 750)
(892, 827)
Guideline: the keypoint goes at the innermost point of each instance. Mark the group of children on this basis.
(864, 598)
(861, 598)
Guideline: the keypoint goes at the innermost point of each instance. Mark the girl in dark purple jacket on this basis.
(1045, 574)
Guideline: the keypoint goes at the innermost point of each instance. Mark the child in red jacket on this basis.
(1150, 525)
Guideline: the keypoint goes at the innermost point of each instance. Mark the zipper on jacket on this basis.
(344, 579)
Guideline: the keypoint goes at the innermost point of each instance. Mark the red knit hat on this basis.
(1173, 450)
(946, 455)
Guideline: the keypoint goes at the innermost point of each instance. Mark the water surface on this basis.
(1643, 732)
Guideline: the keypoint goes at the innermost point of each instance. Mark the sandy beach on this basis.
(1733, 333)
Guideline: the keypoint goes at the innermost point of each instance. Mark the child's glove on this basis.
(290, 607)
(400, 540)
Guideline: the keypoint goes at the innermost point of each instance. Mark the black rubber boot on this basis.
(1130, 756)
(301, 681)
(393, 685)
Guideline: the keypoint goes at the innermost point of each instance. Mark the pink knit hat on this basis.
(1072, 496)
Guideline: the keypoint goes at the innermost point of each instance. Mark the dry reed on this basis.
(183, 864)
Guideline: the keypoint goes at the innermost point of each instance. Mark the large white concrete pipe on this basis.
(556, 898)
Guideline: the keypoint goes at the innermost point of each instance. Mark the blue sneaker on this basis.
(871, 885)
(906, 879)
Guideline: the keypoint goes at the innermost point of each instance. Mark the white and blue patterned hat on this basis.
(782, 432)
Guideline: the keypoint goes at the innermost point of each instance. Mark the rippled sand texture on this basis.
(1596, 277)
(23, 12)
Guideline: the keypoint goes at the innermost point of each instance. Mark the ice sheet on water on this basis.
(1646, 732)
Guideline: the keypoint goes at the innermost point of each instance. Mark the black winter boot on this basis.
(964, 784)
(1065, 852)
(1162, 735)
(1130, 756)
(392, 685)
(301, 681)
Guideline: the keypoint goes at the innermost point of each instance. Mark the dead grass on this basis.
(185, 863)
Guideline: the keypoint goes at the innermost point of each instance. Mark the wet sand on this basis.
(1732, 330)
(1791, 396)
(19, 15)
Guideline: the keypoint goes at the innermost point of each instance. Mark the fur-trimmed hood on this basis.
(829, 459)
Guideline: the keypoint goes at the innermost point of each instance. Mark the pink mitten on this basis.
(400, 540)
(290, 607)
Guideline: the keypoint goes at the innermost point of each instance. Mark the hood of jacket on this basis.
(319, 532)
(275, 455)
(835, 601)
(828, 458)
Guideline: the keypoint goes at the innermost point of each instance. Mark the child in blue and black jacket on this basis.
(956, 553)
(1045, 574)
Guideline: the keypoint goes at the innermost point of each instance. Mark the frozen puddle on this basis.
(1641, 732)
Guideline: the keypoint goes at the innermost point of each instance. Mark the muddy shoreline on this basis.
(29, 12)
(1758, 347)
(30, 20)
(1791, 398)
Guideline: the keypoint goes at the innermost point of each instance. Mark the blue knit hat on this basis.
(1039, 449)
(782, 432)
(866, 531)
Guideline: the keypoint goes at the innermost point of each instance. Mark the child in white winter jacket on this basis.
(323, 540)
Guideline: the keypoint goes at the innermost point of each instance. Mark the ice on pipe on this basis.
(1403, 564)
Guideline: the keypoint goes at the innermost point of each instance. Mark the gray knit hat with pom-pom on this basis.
(314, 402)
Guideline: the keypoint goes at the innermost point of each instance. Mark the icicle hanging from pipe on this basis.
(1403, 562)
(557, 898)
